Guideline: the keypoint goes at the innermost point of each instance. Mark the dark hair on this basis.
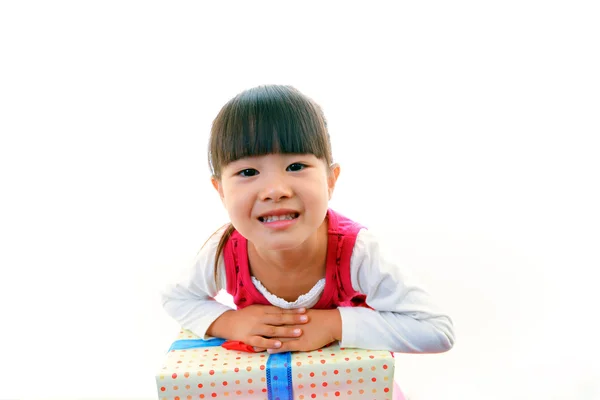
(264, 120)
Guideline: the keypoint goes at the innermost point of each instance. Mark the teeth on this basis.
(272, 218)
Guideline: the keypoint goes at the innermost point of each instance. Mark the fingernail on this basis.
(304, 318)
(277, 344)
(270, 351)
(297, 331)
(301, 310)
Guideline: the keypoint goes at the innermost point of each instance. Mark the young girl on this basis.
(301, 275)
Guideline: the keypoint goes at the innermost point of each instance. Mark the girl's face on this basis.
(277, 201)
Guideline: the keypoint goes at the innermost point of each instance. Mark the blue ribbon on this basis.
(279, 367)
(279, 376)
(185, 344)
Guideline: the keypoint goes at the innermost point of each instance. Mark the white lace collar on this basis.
(306, 300)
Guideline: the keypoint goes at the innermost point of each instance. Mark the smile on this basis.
(273, 218)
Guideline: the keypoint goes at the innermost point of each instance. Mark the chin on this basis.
(278, 245)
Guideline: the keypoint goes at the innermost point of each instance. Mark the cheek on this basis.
(319, 192)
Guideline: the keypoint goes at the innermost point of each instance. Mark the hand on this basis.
(322, 328)
(260, 326)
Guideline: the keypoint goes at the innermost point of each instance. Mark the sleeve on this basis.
(190, 298)
(404, 318)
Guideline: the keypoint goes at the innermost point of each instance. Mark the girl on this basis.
(300, 274)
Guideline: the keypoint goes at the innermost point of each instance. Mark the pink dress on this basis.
(338, 290)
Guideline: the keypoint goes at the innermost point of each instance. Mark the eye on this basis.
(296, 167)
(248, 172)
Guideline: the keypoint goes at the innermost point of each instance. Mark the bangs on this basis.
(267, 120)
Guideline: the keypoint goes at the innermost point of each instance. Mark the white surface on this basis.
(467, 130)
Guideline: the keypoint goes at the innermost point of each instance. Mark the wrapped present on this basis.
(203, 369)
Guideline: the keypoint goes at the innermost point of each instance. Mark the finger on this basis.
(277, 310)
(259, 349)
(285, 319)
(291, 345)
(285, 339)
(264, 343)
(271, 331)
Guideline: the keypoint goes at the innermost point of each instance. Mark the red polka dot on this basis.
(386, 390)
(374, 379)
(371, 357)
(384, 366)
(336, 372)
(312, 374)
(176, 397)
(322, 361)
(264, 390)
(324, 384)
(313, 395)
(212, 372)
(262, 367)
(337, 393)
(214, 395)
(237, 369)
(162, 389)
(200, 385)
(174, 376)
(225, 383)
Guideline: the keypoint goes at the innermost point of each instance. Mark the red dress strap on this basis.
(338, 290)
(237, 269)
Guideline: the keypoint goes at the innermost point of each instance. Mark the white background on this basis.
(467, 133)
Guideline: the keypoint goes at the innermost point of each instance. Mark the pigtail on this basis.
(228, 231)
(220, 248)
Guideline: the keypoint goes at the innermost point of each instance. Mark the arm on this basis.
(405, 318)
(189, 300)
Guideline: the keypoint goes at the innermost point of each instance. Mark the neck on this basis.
(309, 255)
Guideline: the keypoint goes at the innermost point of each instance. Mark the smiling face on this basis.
(277, 201)
(270, 157)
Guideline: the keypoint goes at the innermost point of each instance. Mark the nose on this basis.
(275, 188)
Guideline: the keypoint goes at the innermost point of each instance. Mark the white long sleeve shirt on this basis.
(404, 317)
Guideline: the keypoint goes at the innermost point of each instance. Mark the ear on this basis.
(217, 185)
(334, 172)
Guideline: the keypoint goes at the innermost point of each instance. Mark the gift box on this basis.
(203, 369)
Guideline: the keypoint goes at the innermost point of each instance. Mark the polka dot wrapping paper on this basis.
(328, 373)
